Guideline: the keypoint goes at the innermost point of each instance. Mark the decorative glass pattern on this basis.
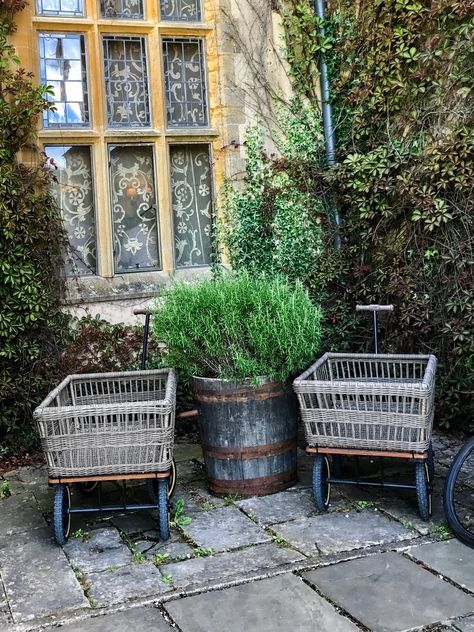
(74, 194)
(185, 83)
(134, 208)
(191, 189)
(126, 84)
(63, 67)
(122, 9)
(69, 8)
(180, 10)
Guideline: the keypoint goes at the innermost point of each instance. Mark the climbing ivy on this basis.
(402, 92)
(31, 242)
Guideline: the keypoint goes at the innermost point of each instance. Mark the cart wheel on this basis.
(431, 463)
(423, 490)
(152, 484)
(86, 488)
(163, 508)
(321, 487)
(61, 515)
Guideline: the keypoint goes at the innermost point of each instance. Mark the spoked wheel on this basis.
(321, 487)
(163, 508)
(458, 496)
(152, 484)
(423, 489)
(61, 515)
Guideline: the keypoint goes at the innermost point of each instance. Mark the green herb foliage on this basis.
(239, 327)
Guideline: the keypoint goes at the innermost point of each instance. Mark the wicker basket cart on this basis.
(108, 427)
(369, 405)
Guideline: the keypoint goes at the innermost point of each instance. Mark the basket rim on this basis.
(168, 400)
(425, 385)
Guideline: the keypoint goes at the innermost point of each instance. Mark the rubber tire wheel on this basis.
(423, 490)
(321, 488)
(61, 515)
(163, 509)
(431, 463)
(152, 484)
(448, 497)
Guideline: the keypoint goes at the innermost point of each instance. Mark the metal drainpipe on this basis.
(329, 133)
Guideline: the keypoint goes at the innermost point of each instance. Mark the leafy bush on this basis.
(239, 327)
(402, 92)
(273, 224)
(31, 241)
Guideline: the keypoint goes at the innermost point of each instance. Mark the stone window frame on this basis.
(98, 136)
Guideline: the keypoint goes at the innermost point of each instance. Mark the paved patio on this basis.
(270, 564)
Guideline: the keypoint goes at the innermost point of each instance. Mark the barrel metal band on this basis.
(275, 389)
(252, 486)
(251, 452)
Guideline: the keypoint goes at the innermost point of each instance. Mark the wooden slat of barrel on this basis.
(248, 435)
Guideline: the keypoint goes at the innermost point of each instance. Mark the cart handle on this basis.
(143, 311)
(374, 308)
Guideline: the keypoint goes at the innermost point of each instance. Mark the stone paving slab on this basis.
(337, 532)
(280, 507)
(99, 550)
(134, 620)
(37, 577)
(4, 611)
(278, 604)
(389, 593)
(131, 523)
(466, 625)
(225, 528)
(221, 567)
(20, 513)
(127, 582)
(451, 559)
(174, 549)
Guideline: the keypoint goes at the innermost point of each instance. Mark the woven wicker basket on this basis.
(109, 423)
(371, 402)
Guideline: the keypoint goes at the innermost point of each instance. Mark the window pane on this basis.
(70, 8)
(134, 208)
(186, 10)
(191, 189)
(126, 82)
(126, 9)
(74, 194)
(186, 94)
(63, 67)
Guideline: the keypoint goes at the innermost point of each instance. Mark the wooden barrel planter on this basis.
(248, 435)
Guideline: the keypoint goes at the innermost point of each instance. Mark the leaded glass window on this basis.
(191, 189)
(63, 67)
(124, 9)
(68, 8)
(185, 83)
(126, 83)
(180, 10)
(74, 194)
(134, 208)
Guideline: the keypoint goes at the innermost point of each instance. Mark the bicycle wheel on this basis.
(458, 497)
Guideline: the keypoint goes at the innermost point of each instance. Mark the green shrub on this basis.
(239, 327)
(31, 244)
